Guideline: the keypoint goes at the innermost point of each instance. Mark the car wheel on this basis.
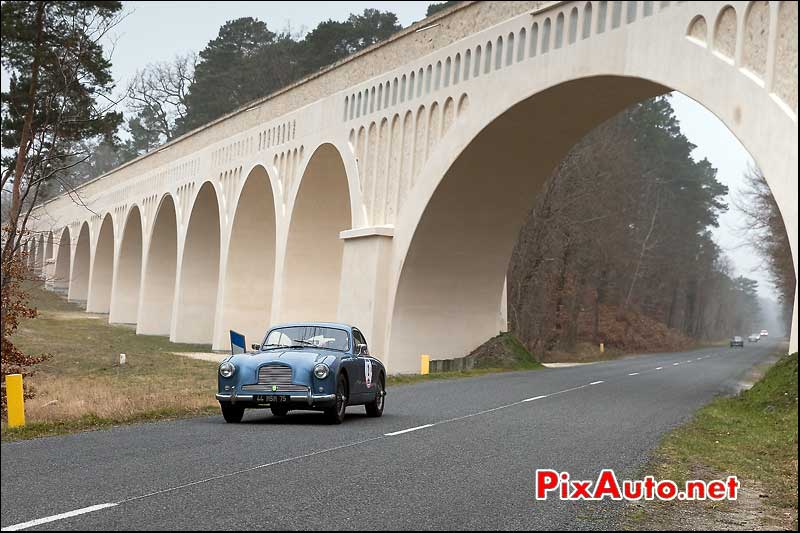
(375, 408)
(336, 413)
(278, 410)
(232, 413)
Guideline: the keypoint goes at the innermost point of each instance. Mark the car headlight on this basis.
(321, 371)
(226, 369)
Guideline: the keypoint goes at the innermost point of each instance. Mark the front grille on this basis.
(275, 375)
(279, 376)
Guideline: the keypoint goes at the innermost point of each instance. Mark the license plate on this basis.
(270, 398)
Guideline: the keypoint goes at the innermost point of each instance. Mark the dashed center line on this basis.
(535, 398)
(675, 364)
(659, 368)
(409, 430)
(596, 382)
(633, 374)
(62, 516)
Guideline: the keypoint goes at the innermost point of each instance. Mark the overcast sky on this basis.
(157, 31)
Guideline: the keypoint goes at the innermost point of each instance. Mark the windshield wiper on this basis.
(270, 346)
(301, 343)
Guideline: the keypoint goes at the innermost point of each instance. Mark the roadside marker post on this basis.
(15, 400)
(425, 365)
(602, 347)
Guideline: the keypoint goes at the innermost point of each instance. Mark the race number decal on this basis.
(368, 373)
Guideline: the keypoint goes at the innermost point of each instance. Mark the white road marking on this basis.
(535, 398)
(596, 382)
(659, 368)
(62, 516)
(633, 374)
(406, 430)
(675, 364)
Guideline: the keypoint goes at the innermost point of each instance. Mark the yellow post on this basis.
(425, 364)
(15, 399)
(602, 348)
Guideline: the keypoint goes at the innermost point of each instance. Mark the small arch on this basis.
(438, 76)
(602, 15)
(631, 15)
(725, 33)
(756, 38)
(616, 15)
(498, 58)
(647, 8)
(467, 64)
(546, 36)
(698, 30)
(587, 21)
(394, 92)
(428, 76)
(572, 36)
(487, 63)
(534, 39)
(447, 68)
(420, 79)
(477, 71)
(559, 31)
(403, 89)
(523, 35)
(457, 69)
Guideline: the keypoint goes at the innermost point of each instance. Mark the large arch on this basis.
(48, 254)
(158, 281)
(452, 273)
(128, 275)
(102, 272)
(81, 266)
(61, 272)
(452, 240)
(313, 262)
(250, 270)
(199, 271)
(38, 264)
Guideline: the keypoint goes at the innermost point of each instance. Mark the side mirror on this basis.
(255, 346)
(361, 349)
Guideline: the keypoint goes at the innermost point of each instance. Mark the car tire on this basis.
(336, 413)
(232, 413)
(279, 410)
(375, 407)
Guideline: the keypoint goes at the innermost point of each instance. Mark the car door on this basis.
(365, 366)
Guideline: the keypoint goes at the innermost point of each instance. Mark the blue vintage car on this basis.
(309, 366)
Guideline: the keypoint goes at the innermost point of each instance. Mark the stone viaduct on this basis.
(387, 190)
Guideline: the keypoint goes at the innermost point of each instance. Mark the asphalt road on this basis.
(470, 467)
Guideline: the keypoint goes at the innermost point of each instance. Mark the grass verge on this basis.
(752, 435)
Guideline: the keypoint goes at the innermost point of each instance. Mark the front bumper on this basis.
(295, 398)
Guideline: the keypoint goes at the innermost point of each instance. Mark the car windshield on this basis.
(305, 336)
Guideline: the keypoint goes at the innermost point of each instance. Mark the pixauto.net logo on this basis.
(551, 482)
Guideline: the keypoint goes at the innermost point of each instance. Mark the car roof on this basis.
(337, 325)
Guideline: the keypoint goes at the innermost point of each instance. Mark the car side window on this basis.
(359, 338)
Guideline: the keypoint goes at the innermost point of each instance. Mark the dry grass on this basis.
(82, 385)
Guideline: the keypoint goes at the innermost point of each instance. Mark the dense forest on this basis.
(618, 245)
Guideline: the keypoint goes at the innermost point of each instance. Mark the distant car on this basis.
(309, 366)
(754, 337)
(737, 341)
(764, 333)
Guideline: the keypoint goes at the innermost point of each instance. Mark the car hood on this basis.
(294, 358)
